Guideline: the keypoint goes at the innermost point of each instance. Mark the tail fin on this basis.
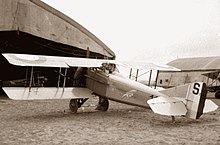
(192, 95)
(195, 100)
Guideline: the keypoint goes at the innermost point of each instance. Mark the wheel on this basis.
(73, 105)
(103, 104)
(217, 94)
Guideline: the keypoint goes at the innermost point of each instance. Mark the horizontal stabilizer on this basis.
(167, 106)
(209, 106)
(42, 93)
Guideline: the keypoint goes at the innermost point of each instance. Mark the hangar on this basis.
(33, 27)
(205, 69)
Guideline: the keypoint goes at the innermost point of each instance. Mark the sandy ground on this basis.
(46, 122)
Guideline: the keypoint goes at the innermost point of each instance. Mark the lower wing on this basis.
(34, 93)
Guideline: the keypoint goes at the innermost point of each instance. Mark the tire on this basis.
(73, 105)
(217, 94)
(103, 104)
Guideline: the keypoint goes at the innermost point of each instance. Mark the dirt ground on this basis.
(50, 122)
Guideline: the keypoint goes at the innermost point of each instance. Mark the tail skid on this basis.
(187, 100)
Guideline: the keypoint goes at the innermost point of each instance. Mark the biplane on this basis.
(204, 69)
(99, 77)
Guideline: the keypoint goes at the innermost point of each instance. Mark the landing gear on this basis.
(217, 94)
(76, 103)
(73, 105)
(103, 104)
(173, 119)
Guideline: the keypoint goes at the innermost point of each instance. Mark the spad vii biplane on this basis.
(100, 77)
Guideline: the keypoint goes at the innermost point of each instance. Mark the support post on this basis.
(208, 80)
(58, 82)
(136, 77)
(130, 73)
(149, 78)
(26, 77)
(87, 53)
(156, 79)
(32, 69)
(64, 81)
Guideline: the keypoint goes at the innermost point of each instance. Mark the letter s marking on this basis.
(196, 88)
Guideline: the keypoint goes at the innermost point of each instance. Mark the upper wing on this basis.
(58, 61)
(212, 75)
(146, 65)
(35, 60)
(51, 61)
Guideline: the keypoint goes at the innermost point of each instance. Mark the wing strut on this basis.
(64, 81)
(31, 78)
(130, 73)
(137, 75)
(58, 82)
(150, 78)
(26, 77)
(156, 79)
(64, 78)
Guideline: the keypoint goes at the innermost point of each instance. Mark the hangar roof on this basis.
(197, 63)
(39, 19)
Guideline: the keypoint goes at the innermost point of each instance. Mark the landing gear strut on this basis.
(173, 119)
(76, 103)
(103, 104)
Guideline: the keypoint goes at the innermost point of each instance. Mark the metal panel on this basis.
(97, 82)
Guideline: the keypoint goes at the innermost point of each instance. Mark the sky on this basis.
(150, 30)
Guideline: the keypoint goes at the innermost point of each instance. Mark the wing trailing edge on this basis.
(44, 93)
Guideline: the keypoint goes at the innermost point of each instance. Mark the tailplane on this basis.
(187, 100)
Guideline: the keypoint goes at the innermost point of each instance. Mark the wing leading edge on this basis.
(51, 61)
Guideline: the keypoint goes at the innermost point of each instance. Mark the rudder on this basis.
(195, 99)
(193, 95)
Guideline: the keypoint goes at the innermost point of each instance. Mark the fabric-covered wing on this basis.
(42, 93)
(85, 62)
(35, 60)
(52, 61)
(147, 66)
(57, 61)
(167, 106)
(212, 75)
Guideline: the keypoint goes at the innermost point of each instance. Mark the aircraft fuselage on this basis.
(115, 87)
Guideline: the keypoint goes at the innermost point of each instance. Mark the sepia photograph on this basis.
(113, 72)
